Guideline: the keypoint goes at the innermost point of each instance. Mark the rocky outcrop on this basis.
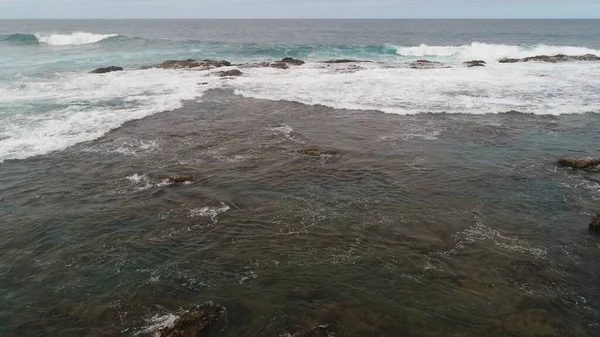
(198, 321)
(553, 59)
(180, 178)
(475, 63)
(276, 65)
(106, 70)
(292, 61)
(590, 165)
(346, 61)
(316, 152)
(191, 64)
(425, 64)
(230, 73)
(595, 225)
(285, 63)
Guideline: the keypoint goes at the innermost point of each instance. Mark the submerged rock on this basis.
(475, 63)
(595, 225)
(581, 164)
(316, 152)
(192, 64)
(233, 72)
(183, 178)
(553, 58)
(292, 61)
(196, 322)
(106, 70)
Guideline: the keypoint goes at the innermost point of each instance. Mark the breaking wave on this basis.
(478, 50)
(76, 38)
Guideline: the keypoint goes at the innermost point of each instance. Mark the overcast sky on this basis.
(10, 9)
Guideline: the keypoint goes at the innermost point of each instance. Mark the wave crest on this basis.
(76, 38)
(485, 51)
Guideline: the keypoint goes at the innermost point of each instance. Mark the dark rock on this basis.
(233, 72)
(346, 61)
(192, 64)
(475, 63)
(292, 61)
(595, 225)
(183, 178)
(316, 152)
(553, 59)
(278, 65)
(425, 64)
(582, 164)
(507, 60)
(106, 70)
(196, 322)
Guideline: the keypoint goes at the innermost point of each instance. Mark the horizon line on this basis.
(308, 18)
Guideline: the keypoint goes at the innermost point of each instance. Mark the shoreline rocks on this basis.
(425, 64)
(196, 322)
(553, 58)
(475, 63)
(230, 73)
(292, 61)
(106, 70)
(590, 165)
(191, 64)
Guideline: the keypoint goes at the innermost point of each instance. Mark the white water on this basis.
(490, 52)
(53, 113)
(39, 115)
(536, 88)
(76, 38)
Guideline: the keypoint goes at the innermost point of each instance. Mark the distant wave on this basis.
(478, 50)
(75, 38)
(19, 39)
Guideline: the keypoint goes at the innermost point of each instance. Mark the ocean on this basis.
(397, 193)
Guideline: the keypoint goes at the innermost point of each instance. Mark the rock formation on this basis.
(553, 59)
(196, 322)
(106, 70)
(233, 72)
(191, 64)
(590, 165)
(475, 63)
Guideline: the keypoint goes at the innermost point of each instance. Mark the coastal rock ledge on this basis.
(475, 63)
(553, 59)
(198, 321)
(590, 165)
(191, 64)
(106, 70)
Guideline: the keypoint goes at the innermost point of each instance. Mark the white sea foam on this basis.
(209, 212)
(80, 107)
(491, 52)
(537, 88)
(157, 323)
(85, 106)
(76, 38)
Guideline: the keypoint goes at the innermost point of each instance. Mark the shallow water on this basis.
(424, 225)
